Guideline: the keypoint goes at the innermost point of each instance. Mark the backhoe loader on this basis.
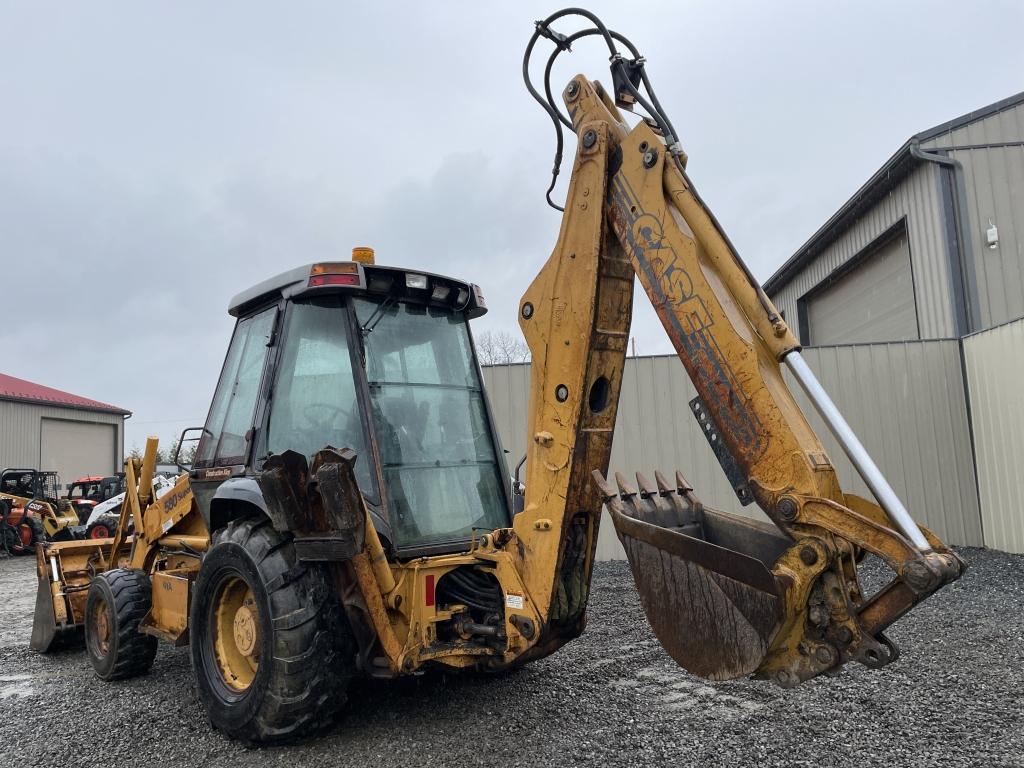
(347, 512)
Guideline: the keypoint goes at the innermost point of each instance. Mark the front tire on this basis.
(271, 651)
(118, 602)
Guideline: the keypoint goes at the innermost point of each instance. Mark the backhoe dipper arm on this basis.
(727, 596)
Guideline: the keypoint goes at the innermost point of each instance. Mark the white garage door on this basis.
(873, 302)
(77, 448)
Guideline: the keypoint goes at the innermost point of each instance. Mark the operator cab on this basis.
(30, 484)
(376, 359)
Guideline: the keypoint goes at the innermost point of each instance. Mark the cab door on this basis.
(225, 447)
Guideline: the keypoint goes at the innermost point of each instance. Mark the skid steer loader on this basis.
(348, 514)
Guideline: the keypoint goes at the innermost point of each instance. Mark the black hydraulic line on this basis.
(543, 29)
(620, 68)
(569, 41)
(552, 105)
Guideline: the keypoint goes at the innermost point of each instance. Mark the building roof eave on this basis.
(13, 389)
(884, 179)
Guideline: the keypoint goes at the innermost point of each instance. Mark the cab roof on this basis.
(366, 279)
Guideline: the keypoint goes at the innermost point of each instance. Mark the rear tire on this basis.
(30, 533)
(271, 651)
(118, 602)
(19, 538)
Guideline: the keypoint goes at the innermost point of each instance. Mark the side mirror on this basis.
(182, 456)
(518, 489)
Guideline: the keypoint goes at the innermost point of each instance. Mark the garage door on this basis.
(77, 448)
(873, 302)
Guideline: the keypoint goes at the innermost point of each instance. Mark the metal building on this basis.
(932, 246)
(45, 428)
(907, 401)
(942, 417)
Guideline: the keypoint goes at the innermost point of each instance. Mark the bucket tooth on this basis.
(663, 487)
(646, 489)
(606, 488)
(626, 491)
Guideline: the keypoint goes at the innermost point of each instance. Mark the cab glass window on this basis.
(438, 457)
(314, 400)
(225, 438)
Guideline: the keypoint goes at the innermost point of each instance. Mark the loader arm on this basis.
(726, 596)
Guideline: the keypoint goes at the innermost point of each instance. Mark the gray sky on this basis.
(155, 159)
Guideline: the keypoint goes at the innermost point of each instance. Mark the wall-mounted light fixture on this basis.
(992, 235)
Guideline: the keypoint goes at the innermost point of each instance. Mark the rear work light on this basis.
(479, 296)
(416, 281)
(316, 281)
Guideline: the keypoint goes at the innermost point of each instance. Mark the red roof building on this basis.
(19, 390)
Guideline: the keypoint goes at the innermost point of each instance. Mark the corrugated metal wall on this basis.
(907, 403)
(918, 198)
(905, 400)
(994, 187)
(20, 429)
(994, 361)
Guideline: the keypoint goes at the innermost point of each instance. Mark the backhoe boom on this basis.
(727, 596)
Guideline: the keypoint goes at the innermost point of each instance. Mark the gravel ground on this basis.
(611, 698)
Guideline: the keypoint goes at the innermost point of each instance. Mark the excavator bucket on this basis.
(704, 576)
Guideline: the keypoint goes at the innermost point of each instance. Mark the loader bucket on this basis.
(64, 571)
(704, 576)
(46, 635)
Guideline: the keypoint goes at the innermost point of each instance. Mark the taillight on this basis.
(428, 589)
(334, 268)
(316, 281)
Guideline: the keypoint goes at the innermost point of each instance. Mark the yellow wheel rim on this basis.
(101, 623)
(236, 633)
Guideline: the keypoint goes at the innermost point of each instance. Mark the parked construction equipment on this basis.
(348, 511)
(31, 510)
(103, 519)
(86, 492)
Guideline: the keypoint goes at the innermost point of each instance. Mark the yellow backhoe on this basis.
(348, 511)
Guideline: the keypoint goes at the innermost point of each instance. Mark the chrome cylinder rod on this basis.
(872, 475)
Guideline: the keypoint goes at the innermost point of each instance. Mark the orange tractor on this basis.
(30, 510)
